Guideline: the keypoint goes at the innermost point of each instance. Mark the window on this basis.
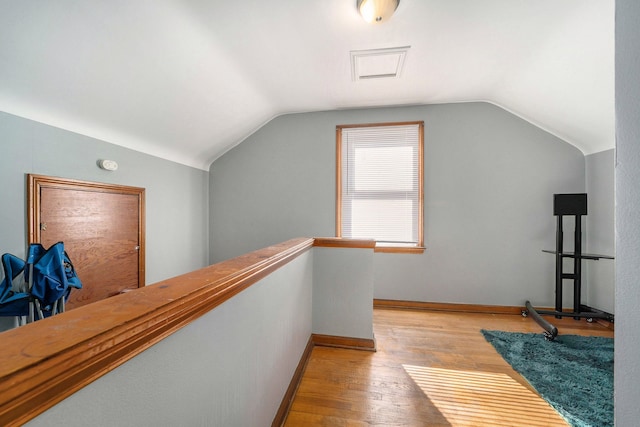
(379, 184)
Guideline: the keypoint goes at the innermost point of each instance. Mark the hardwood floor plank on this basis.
(432, 368)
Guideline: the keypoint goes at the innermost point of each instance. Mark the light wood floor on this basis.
(431, 369)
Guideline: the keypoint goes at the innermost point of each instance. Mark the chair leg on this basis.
(31, 317)
(39, 310)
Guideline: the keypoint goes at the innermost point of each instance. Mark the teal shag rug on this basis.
(573, 373)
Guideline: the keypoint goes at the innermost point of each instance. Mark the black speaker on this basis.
(570, 204)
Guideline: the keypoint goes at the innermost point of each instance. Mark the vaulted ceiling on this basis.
(188, 79)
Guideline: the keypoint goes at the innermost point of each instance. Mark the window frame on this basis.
(380, 246)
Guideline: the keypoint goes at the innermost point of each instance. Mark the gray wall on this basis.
(600, 231)
(489, 181)
(176, 195)
(342, 292)
(627, 350)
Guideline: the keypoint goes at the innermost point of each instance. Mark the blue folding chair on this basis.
(14, 295)
(51, 277)
(48, 276)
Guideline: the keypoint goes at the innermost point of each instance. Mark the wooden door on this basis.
(102, 227)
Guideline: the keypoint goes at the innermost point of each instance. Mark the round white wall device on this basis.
(108, 165)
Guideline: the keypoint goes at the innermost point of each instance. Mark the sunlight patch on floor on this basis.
(468, 398)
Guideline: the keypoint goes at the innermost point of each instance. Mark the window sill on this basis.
(400, 249)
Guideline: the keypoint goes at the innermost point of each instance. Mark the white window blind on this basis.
(380, 189)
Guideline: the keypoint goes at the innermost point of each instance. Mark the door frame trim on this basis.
(36, 182)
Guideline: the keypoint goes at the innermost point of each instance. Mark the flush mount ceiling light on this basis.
(376, 11)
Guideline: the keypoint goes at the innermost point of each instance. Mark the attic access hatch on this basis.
(377, 63)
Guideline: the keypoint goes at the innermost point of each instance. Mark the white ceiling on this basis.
(188, 79)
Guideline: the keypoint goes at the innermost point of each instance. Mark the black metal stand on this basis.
(576, 206)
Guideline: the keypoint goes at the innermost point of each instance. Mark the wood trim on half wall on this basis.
(344, 342)
(37, 374)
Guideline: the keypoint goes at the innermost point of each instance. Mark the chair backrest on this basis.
(51, 277)
(46, 275)
(13, 284)
(14, 301)
(53, 272)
